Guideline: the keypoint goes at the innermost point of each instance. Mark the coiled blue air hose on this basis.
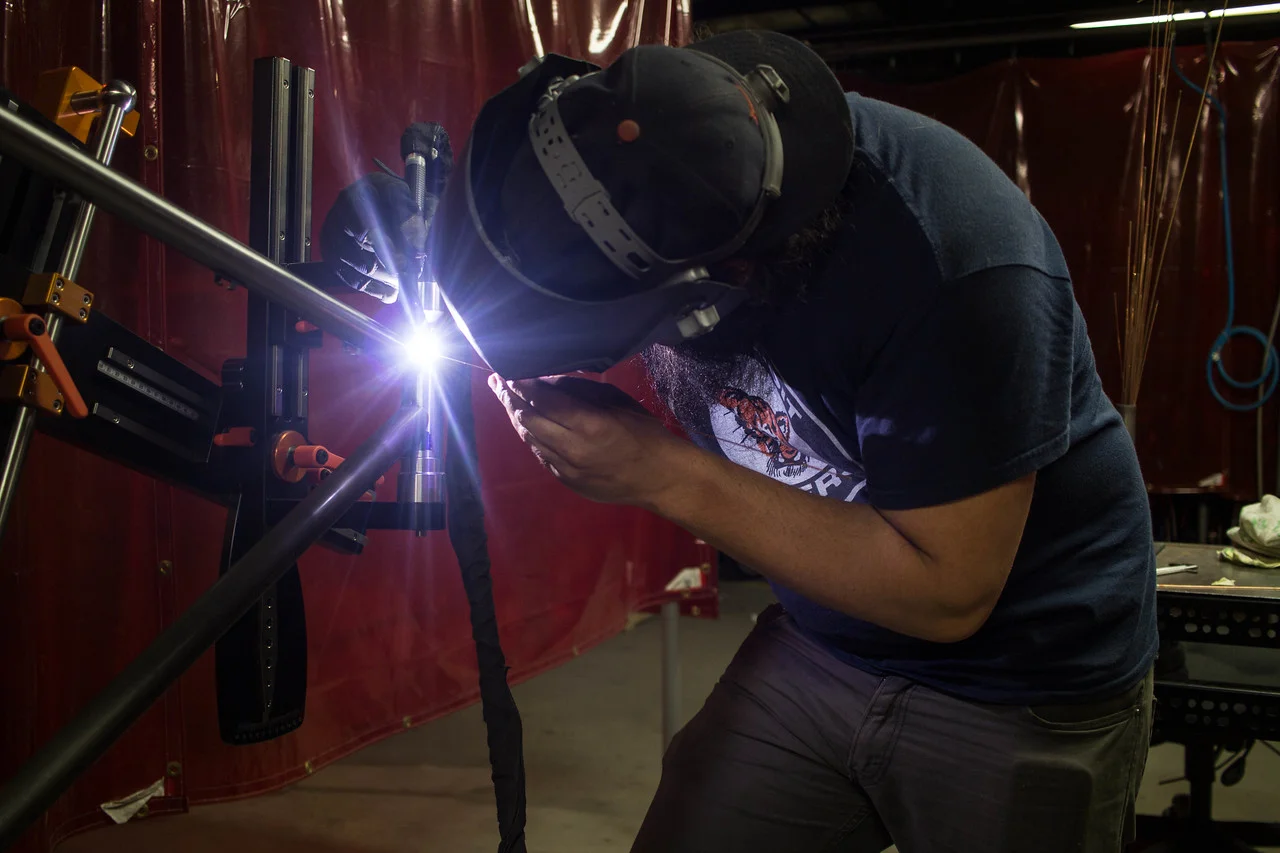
(1270, 374)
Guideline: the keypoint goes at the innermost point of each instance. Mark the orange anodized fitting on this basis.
(31, 329)
(282, 453)
(9, 350)
(73, 99)
(309, 456)
(293, 459)
(236, 437)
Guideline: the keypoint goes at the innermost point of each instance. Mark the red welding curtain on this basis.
(1067, 131)
(93, 570)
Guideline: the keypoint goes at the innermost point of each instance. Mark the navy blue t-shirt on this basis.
(939, 354)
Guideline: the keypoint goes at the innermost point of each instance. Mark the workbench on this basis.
(1249, 582)
(1217, 688)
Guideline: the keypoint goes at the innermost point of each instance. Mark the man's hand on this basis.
(595, 438)
(366, 234)
(933, 573)
(374, 230)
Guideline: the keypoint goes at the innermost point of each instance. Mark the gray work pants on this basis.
(797, 751)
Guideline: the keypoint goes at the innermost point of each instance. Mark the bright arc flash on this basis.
(423, 349)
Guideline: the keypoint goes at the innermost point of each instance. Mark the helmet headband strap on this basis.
(588, 203)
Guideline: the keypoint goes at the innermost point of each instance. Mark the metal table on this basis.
(1217, 687)
(1249, 582)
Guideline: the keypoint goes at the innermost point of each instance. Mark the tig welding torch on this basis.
(422, 146)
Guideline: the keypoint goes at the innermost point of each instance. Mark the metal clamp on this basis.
(115, 103)
(20, 384)
(73, 99)
(59, 293)
(52, 389)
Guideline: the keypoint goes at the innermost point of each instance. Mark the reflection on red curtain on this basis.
(92, 572)
(1067, 131)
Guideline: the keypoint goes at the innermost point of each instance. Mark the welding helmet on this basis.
(592, 205)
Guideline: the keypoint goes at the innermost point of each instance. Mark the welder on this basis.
(869, 337)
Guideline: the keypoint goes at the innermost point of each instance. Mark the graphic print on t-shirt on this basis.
(764, 429)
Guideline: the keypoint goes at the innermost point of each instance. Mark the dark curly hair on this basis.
(686, 378)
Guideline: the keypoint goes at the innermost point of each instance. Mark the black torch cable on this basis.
(465, 513)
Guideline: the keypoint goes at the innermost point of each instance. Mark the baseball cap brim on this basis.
(815, 124)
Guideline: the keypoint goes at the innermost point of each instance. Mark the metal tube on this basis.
(670, 671)
(117, 97)
(197, 240)
(85, 102)
(421, 477)
(15, 454)
(415, 175)
(436, 315)
(81, 742)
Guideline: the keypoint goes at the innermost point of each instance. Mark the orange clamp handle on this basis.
(302, 327)
(32, 329)
(309, 456)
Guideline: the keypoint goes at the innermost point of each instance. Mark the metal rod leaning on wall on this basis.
(82, 741)
(117, 99)
(670, 671)
(196, 239)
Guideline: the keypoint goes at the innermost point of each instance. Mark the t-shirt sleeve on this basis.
(971, 390)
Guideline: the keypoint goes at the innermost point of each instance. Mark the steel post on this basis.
(116, 99)
(670, 671)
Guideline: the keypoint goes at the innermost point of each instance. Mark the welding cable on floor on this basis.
(465, 513)
(1267, 379)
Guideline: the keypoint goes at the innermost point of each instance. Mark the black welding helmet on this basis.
(592, 204)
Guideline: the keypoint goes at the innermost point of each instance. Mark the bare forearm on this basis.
(842, 555)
